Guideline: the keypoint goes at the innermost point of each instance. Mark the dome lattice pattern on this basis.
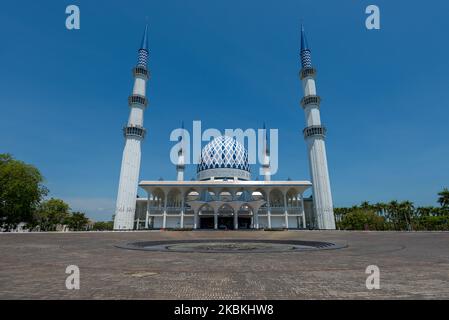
(224, 152)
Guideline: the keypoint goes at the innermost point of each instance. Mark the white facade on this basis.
(222, 197)
(221, 204)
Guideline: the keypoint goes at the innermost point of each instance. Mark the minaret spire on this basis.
(314, 134)
(134, 133)
(144, 45)
(304, 44)
(143, 50)
(306, 56)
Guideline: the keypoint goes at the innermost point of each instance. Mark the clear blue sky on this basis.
(231, 64)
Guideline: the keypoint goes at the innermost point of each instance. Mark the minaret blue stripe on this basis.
(306, 59)
(306, 56)
(142, 58)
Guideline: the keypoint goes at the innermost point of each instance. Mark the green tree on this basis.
(424, 211)
(443, 198)
(365, 205)
(21, 190)
(51, 213)
(362, 219)
(340, 213)
(407, 211)
(103, 225)
(77, 221)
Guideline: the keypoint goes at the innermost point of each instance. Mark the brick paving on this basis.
(412, 265)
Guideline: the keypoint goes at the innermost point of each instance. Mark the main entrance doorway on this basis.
(206, 222)
(244, 223)
(225, 219)
(226, 223)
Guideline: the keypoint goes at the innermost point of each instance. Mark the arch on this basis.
(205, 216)
(244, 196)
(225, 195)
(292, 197)
(206, 209)
(246, 208)
(276, 198)
(192, 194)
(245, 216)
(259, 194)
(158, 198)
(174, 198)
(225, 209)
(207, 195)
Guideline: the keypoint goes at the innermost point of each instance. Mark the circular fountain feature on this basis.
(231, 246)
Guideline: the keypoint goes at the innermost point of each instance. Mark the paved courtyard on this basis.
(412, 265)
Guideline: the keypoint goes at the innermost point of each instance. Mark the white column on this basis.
(182, 210)
(215, 219)
(269, 211)
(236, 220)
(147, 216)
(137, 224)
(285, 210)
(256, 217)
(303, 212)
(164, 219)
(195, 219)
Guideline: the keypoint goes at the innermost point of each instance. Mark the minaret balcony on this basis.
(310, 100)
(137, 99)
(307, 72)
(314, 131)
(141, 71)
(134, 131)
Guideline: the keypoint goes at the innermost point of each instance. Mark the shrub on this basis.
(361, 219)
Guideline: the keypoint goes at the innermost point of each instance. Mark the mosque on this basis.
(223, 196)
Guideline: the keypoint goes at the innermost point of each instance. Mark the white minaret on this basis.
(180, 166)
(134, 133)
(266, 167)
(314, 134)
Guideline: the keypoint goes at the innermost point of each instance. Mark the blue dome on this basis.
(224, 157)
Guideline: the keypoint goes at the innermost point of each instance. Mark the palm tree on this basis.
(393, 216)
(407, 209)
(443, 199)
(365, 205)
(424, 211)
(380, 208)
